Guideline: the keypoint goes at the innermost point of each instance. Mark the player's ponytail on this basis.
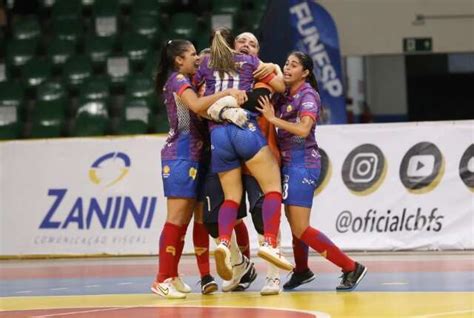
(169, 51)
(222, 55)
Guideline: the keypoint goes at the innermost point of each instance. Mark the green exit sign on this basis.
(417, 45)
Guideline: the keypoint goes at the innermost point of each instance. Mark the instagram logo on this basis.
(364, 169)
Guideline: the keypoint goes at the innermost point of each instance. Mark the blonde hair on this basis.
(222, 55)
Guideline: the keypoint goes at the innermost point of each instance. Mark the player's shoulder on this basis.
(307, 91)
(180, 79)
(245, 58)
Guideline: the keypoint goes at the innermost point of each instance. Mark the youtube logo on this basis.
(422, 167)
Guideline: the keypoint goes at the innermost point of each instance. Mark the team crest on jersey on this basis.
(166, 171)
(289, 108)
(180, 77)
(193, 173)
(251, 127)
(308, 181)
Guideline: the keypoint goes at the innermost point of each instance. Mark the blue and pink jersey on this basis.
(243, 80)
(186, 138)
(297, 150)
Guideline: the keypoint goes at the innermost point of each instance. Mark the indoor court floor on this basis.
(427, 284)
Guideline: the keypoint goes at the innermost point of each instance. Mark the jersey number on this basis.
(285, 191)
(226, 82)
(208, 200)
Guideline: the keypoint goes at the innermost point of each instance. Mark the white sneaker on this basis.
(271, 287)
(238, 271)
(272, 255)
(167, 290)
(180, 285)
(223, 264)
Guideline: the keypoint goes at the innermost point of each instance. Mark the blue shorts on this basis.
(299, 184)
(181, 178)
(231, 146)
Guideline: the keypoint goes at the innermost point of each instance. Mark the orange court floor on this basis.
(414, 284)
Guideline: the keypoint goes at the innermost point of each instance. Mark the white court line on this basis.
(395, 283)
(92, 286)
(59, 288)
(124, 283)
(80, 312)
(23, 292)
(443, 314)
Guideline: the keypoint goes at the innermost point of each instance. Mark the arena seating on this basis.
(86, 67)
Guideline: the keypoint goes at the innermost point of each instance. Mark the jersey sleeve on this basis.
(180, 84)
(310, 105)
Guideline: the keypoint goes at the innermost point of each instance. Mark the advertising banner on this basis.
(81, 196)
(397, 186)
(383, 187)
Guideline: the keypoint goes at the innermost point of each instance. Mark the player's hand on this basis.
(266, 108)
(263, 70)
(239, 95)
(237, 116)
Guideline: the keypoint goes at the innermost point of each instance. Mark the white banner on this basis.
(81, 196)
(383, 187)
(398, 186)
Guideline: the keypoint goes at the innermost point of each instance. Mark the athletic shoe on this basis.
(272, 255)
(180, 285)
(238, 271)
(247, 279)
(350, 280)
(223, 264)
(208, 285)
(271, 286)
(167, 290)
(298, 279)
